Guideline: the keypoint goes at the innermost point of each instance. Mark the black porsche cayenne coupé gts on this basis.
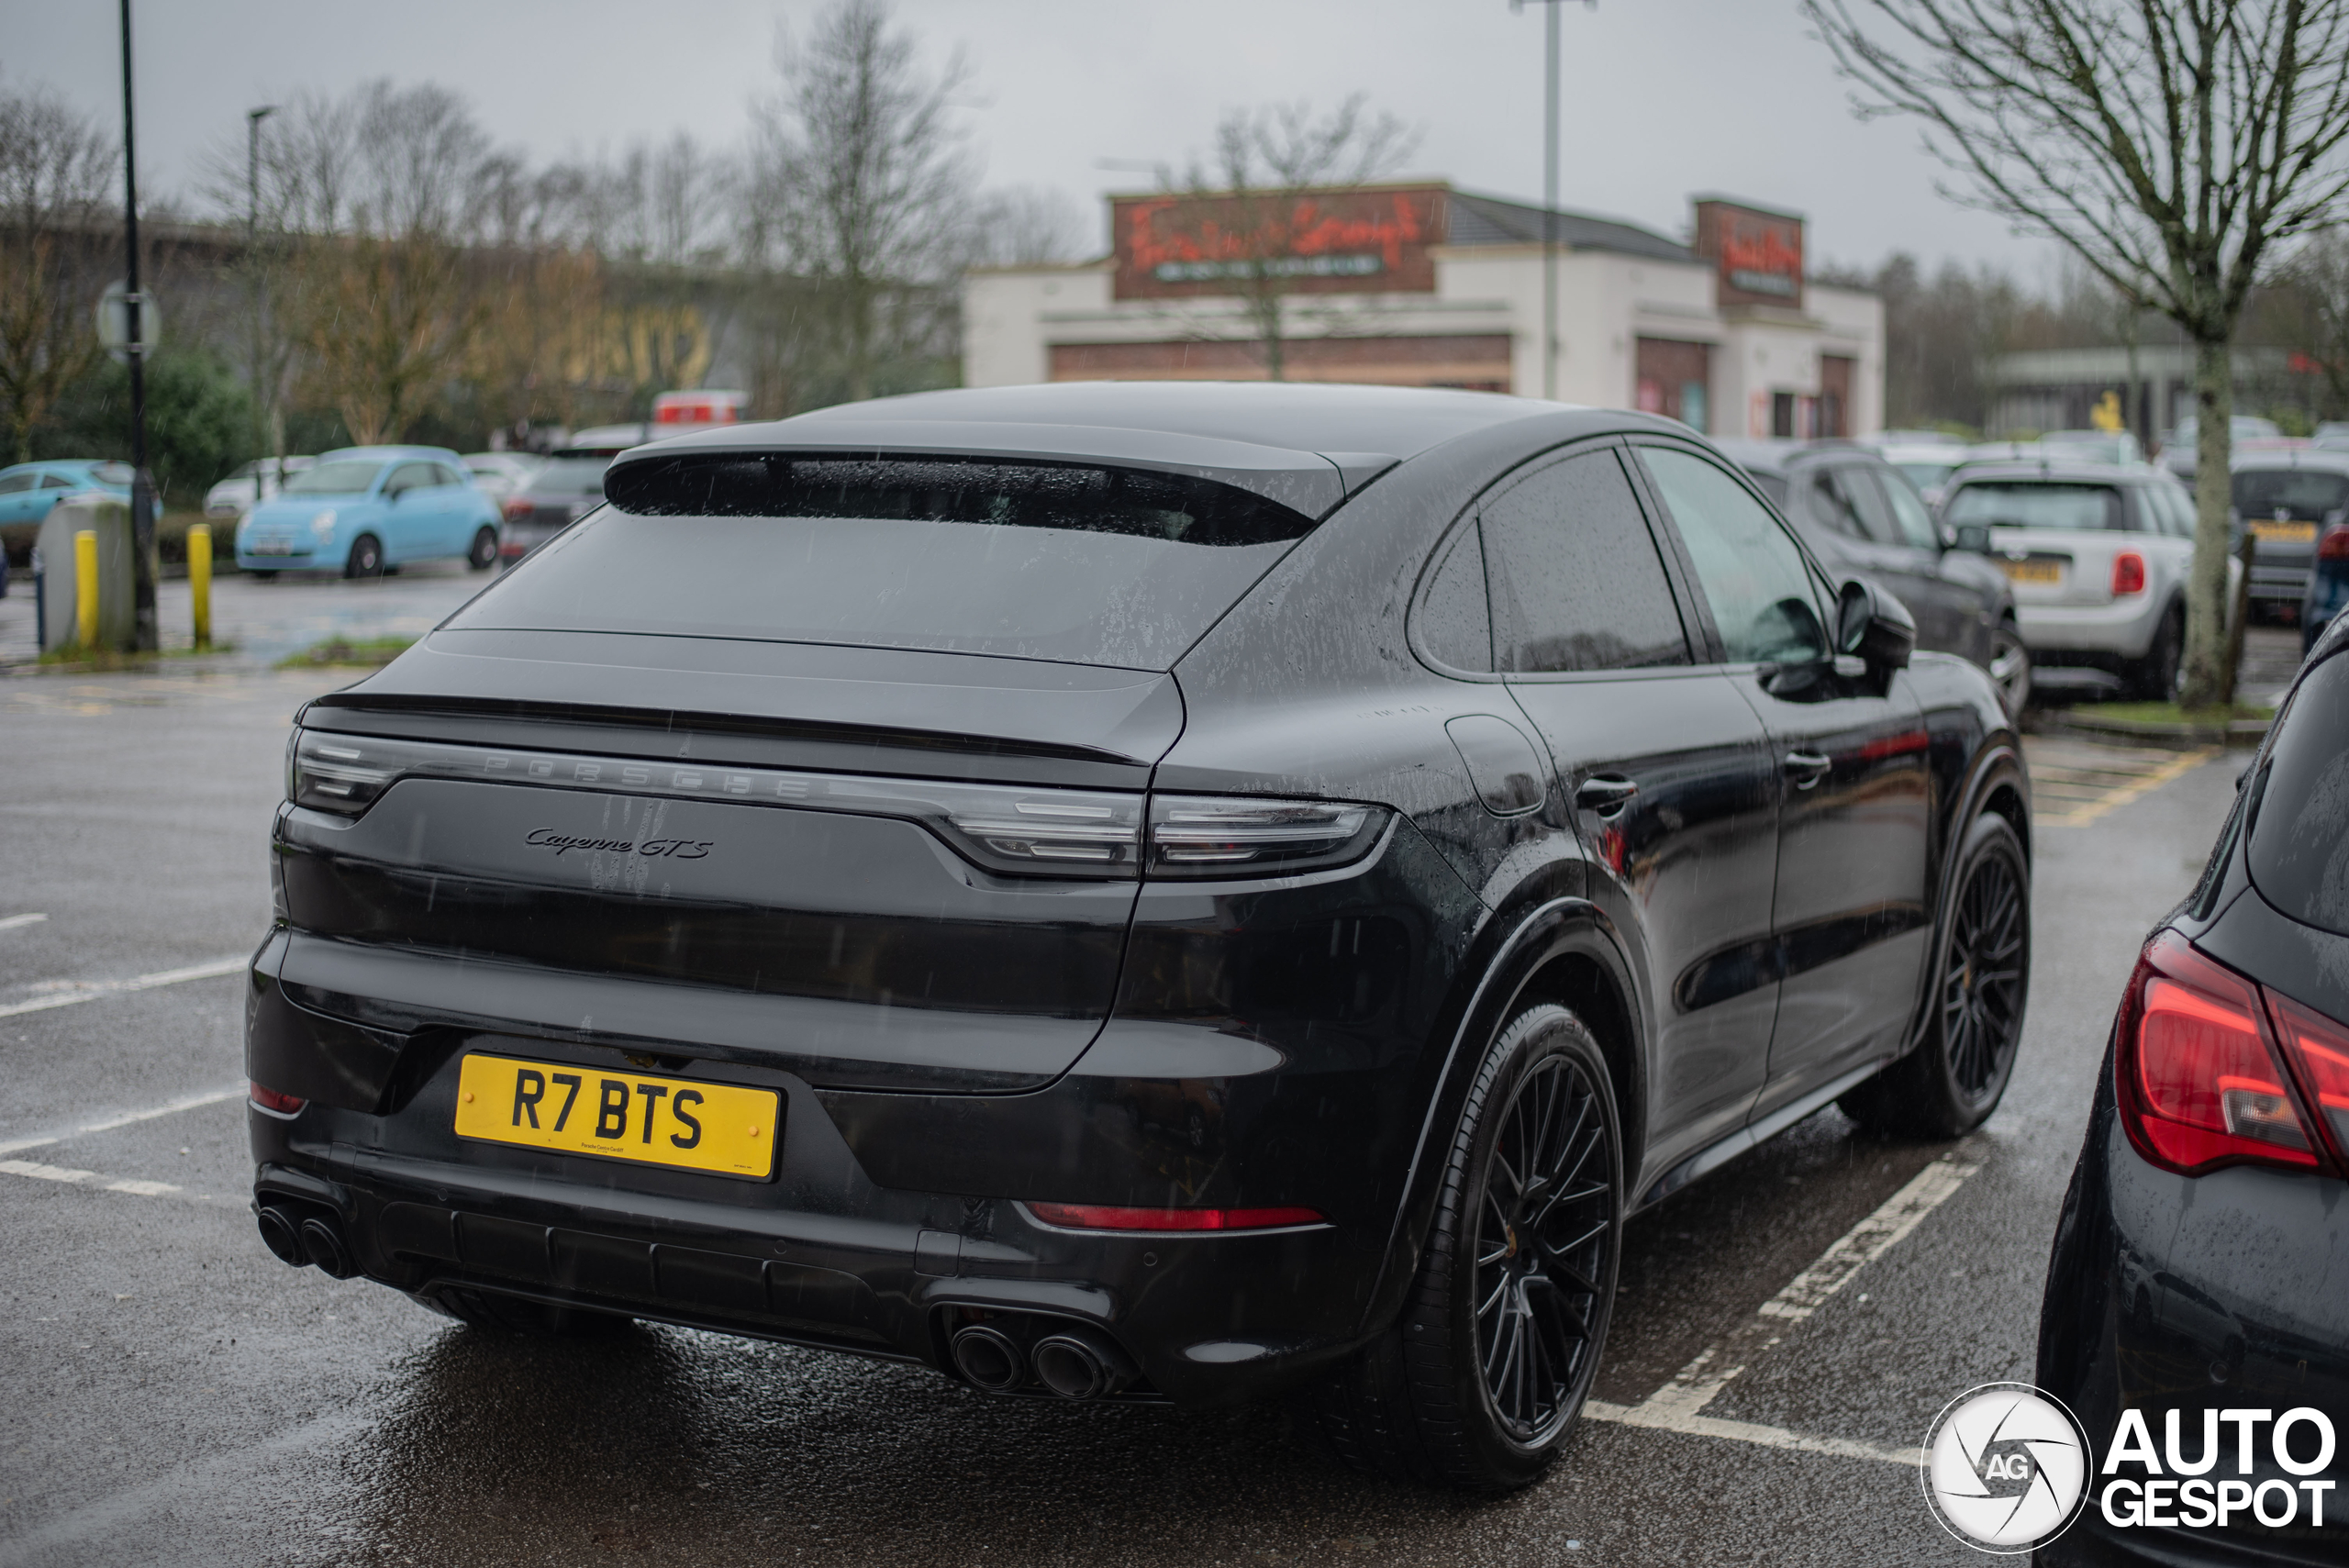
(1151, 892)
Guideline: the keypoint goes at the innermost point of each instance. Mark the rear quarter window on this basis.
(2299, 842)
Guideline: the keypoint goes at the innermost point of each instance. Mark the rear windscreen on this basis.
(2299, 843)
(2031, 505)
(1066, 561)
(2301, 494)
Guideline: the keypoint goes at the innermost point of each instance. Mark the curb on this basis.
(2246, 733)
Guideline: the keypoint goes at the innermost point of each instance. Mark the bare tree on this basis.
(1248, 201)
(857, 186)
(2170, 144)
(56, 172)
(2320, 276)
(387, 309)
(1026, 225)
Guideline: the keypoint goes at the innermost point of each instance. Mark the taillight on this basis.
(2335, 545)
(515, 508)
(2199, 1083)
(1092, 1217)
(1195, 835)
(269, 1099)
(2127, 574)
(2319, 1048)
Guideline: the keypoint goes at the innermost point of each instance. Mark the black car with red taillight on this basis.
(2200, 1274)
(1135, 892)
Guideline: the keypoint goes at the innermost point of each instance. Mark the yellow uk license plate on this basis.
(2033, 571)
(718, 1128)
(2286, 533)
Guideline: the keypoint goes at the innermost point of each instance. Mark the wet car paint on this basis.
(1226, 1066)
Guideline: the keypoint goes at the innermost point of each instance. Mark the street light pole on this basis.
(259, 282)
(142, 496)
(1550, 192)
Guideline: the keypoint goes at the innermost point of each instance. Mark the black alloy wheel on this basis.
(366, 558)
(1479, 1380)
(1982, 982)
(1544, 1241)
(484, 554)
(1953, 1080)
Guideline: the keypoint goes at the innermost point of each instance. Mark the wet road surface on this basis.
(1787, 1328)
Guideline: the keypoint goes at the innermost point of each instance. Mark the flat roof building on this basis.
(1422, 285)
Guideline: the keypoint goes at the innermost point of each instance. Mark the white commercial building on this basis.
(1422, 285)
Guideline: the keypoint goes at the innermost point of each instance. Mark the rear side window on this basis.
(1067, 561)
(1912, 522)
(1456, 622)
(1576, 581)
(1836, 502)
(2032, 504)
(12, 483)
(2295, 495)
(2299, 845)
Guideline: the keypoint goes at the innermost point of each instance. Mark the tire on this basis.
(1953, 1081)
(484, 554)
(366, 558)
(1483, 1401)
(532, 1320)
(2154, 677)
(263, 574)
(2010, 668)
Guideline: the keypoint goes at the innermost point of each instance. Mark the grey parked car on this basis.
(2287, 499)
(1861, 515)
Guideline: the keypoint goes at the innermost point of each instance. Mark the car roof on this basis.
(387, 453)
(2055, 470)
(2331, 460)
(1307, 445)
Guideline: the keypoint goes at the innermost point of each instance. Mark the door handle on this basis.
(1605, 796)
(1807, 768)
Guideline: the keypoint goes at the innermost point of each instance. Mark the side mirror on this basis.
(1975, 536)
(1873, 625)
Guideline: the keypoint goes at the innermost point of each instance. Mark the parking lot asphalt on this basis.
(1787, 1328)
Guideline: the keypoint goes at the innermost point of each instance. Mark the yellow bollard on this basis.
(86, 586)
(199, 580)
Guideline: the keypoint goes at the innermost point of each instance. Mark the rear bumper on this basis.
(2193, 1293)
(2123, 629)
(820, 1256)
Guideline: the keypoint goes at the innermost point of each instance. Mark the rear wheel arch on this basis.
(1564, 951)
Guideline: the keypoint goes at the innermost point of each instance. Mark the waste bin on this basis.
(108, 517)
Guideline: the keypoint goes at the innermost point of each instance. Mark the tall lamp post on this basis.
(260, 285)
(1550, 192)
(142, 493)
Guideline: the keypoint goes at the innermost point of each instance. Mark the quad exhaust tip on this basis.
(1077, 1363)
(990, 1359)
(315, 1240)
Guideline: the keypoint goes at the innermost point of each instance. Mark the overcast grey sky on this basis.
(1664, 98)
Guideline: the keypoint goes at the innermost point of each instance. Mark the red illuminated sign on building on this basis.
(1360, 242)
(1757, 254)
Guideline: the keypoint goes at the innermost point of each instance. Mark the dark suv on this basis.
(1129, 891)
(1860, 515)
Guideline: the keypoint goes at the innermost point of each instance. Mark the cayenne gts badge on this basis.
(651, 849)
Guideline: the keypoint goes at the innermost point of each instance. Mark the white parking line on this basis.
(72, 1177)
(107, 1124)
(11, 922)
(66, 993)
(1679, 1406)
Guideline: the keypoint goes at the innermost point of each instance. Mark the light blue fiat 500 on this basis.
(365, 510)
